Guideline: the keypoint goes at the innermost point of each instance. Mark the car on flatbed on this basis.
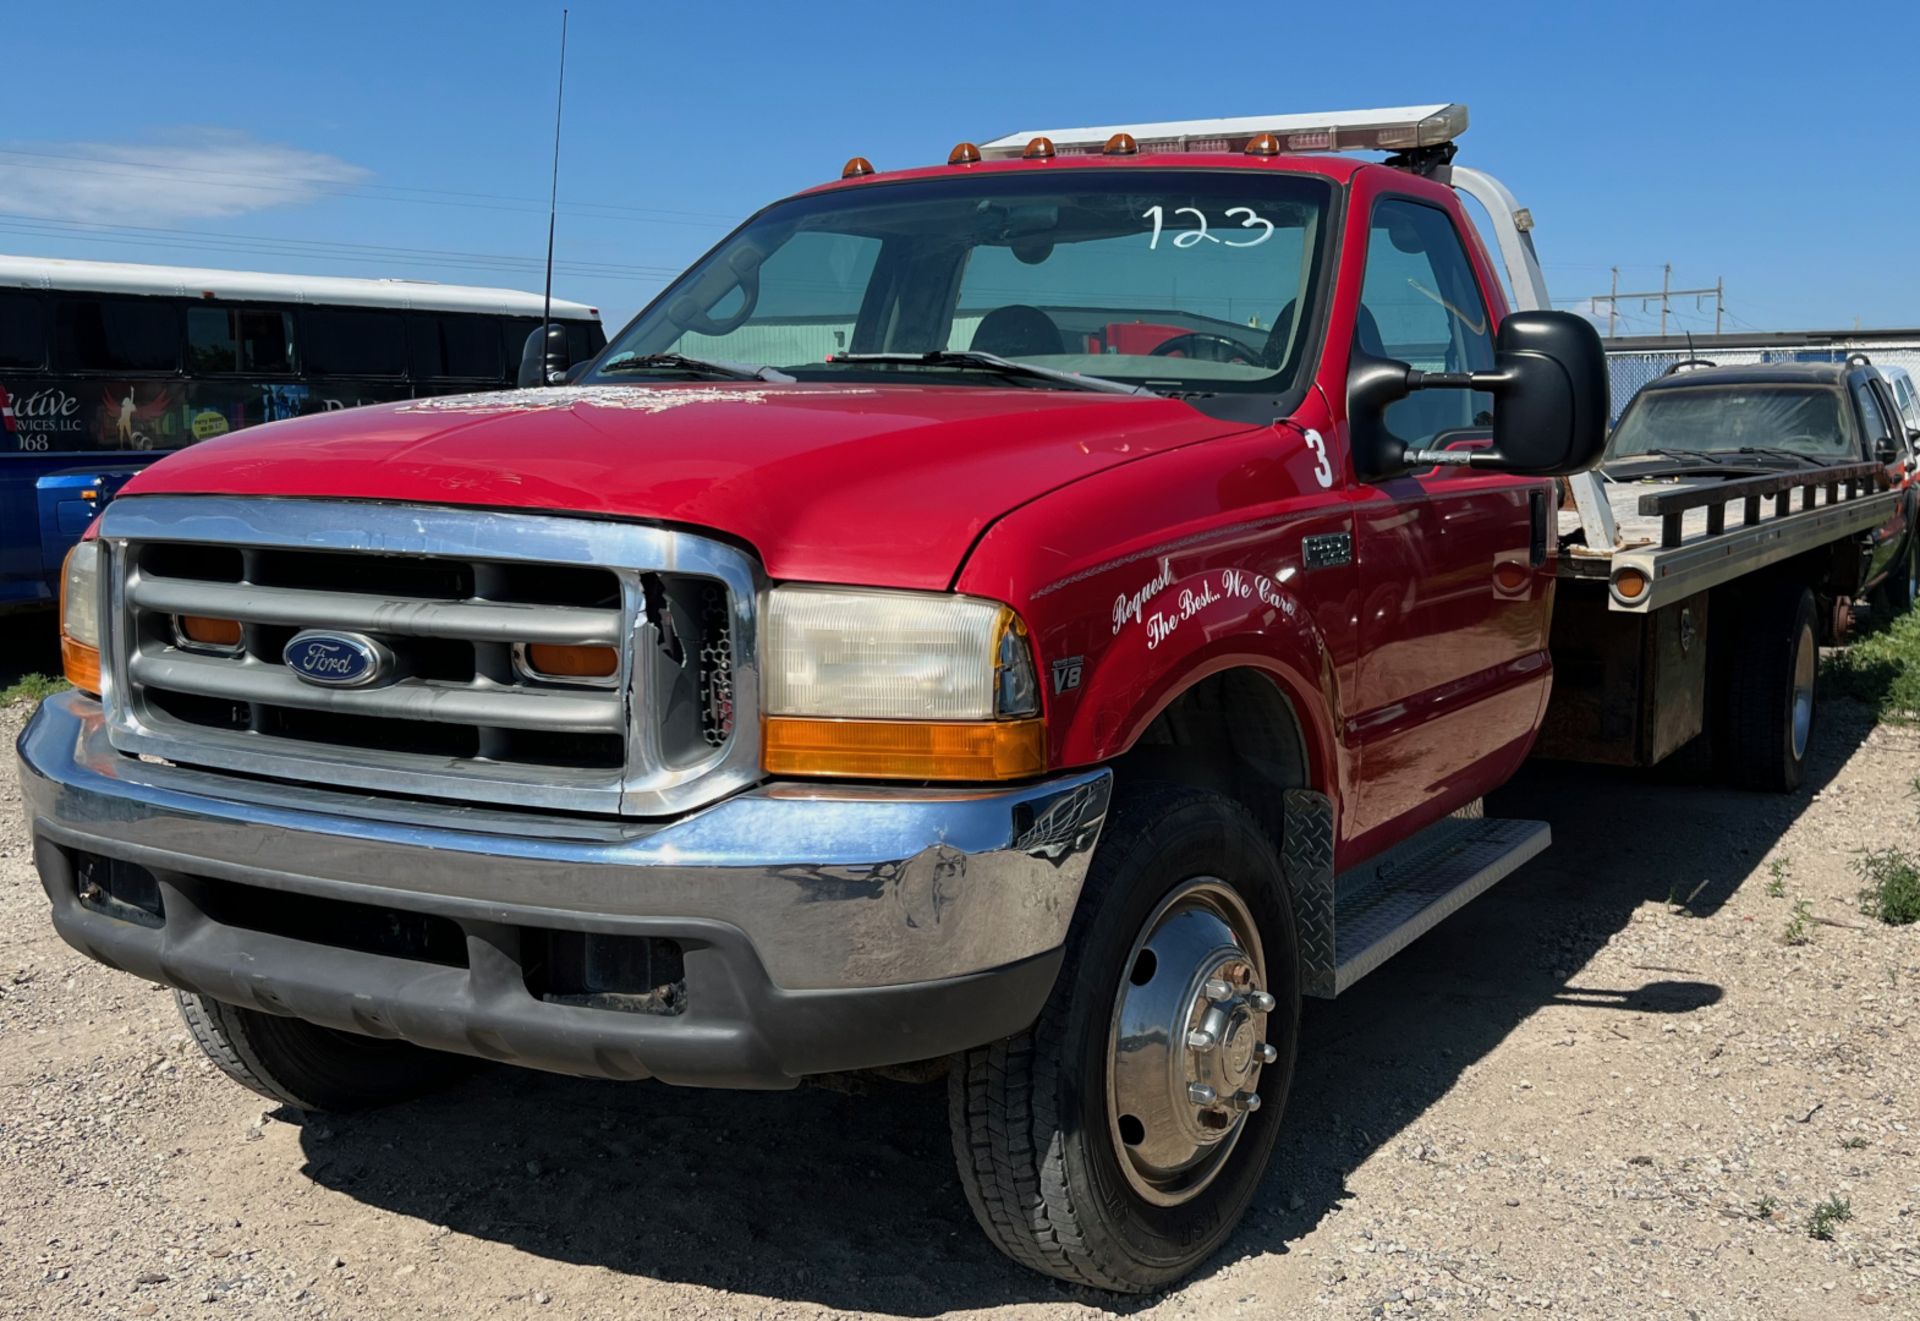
(1704, 421)
(1030, 620)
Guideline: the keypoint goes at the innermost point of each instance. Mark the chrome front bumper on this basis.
(824, 928)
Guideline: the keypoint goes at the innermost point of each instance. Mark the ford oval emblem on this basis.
(337, 660)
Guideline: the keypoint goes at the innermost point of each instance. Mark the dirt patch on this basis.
(1609, 1089)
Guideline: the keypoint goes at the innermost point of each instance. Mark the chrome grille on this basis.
(454, 598)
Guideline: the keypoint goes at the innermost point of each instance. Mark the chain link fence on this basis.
(1632, 368)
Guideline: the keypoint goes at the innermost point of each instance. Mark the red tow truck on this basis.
(1033, 619)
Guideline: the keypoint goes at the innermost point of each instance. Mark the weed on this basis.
(31, 687)
(1800, 926)
(1854, 1143)
(1892, 889)
(1833, 1211)
(1765, 1206)
(1777, 872)
(1882, 669)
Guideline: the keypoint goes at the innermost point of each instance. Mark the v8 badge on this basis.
(1066, 674)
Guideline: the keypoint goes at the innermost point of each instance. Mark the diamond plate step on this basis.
(1388, 902)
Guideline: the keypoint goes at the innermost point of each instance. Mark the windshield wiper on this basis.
(726, 371)
(1782, 453)
(1669, 452)
(968, 360)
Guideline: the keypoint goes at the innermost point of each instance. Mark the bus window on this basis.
(584, 340)
(116, 335)
(465, 348)
(23, 331)
(239, 339)
(348, 342)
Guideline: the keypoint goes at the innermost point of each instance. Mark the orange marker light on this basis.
(964, 153)
(856, 167)
(209, 631)
(1121, 144)
(555, 662)
(1629, 584)
(1263, 144)
(904, 749)
(1040, 149)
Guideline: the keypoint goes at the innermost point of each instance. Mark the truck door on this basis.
(1452, 562)
(1883, 433)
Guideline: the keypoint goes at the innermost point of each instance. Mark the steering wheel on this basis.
(1221, 348)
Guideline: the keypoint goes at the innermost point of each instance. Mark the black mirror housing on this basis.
(1550, 401)
(543, 358)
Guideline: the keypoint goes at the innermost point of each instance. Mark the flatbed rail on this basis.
(1682, 539)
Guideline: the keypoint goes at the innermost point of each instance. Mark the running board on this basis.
(1380, 907)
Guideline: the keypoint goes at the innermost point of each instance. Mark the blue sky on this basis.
(1759, 143)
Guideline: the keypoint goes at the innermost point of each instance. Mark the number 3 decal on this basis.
(1322, 470)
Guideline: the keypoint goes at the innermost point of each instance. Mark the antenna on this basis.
(553, 207)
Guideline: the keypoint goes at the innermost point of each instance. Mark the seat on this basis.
(1017, 331)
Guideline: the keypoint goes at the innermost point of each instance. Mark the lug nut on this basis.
(1217, 990)
(1266, 1052)
(1262, 1002)
(1202, 1040)
(1246, 1102)
(1201, 1094)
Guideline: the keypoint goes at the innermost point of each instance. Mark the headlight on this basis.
(80, 616)
(899, 685)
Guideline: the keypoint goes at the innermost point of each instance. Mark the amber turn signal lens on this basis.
(210, 631)
(572, 662)
(81, 665)
(1630, 584)
(904, 749)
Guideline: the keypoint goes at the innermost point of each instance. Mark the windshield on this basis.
(1809, 420)
(1178, 280)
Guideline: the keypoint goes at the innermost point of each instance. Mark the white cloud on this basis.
(208, 173)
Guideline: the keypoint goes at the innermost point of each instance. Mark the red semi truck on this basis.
(1033, 619)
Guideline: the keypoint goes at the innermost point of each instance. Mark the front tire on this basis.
(1117, 1142)
(1771, 700)
(310, 1067)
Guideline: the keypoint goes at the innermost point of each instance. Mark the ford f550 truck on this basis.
(1034, 618)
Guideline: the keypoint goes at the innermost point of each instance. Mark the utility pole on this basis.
(1666, 293)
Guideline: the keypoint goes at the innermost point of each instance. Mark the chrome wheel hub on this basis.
(1806, 661)
(1188, 1040)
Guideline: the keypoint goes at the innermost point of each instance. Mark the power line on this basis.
(1666, 293)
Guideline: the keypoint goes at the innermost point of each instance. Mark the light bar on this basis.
(1397, 128)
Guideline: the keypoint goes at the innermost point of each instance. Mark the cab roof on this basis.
(1832, 374)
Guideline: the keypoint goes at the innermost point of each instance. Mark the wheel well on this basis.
(1235, 733)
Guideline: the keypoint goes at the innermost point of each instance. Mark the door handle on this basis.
(1537, 508)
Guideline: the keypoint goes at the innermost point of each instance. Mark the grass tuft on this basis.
(1777, 872)
(1892, 889)
(1882, 669)
(32, 688)
(1833, 1211)
(1800, 926)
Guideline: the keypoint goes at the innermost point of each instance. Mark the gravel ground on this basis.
(1608, 1089)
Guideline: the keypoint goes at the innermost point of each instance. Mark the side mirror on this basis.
(1550, 402)
(1885, 450)
(543, 359)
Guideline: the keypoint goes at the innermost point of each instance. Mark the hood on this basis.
(880, 484)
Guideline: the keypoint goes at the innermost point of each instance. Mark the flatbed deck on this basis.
(1687, 536)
